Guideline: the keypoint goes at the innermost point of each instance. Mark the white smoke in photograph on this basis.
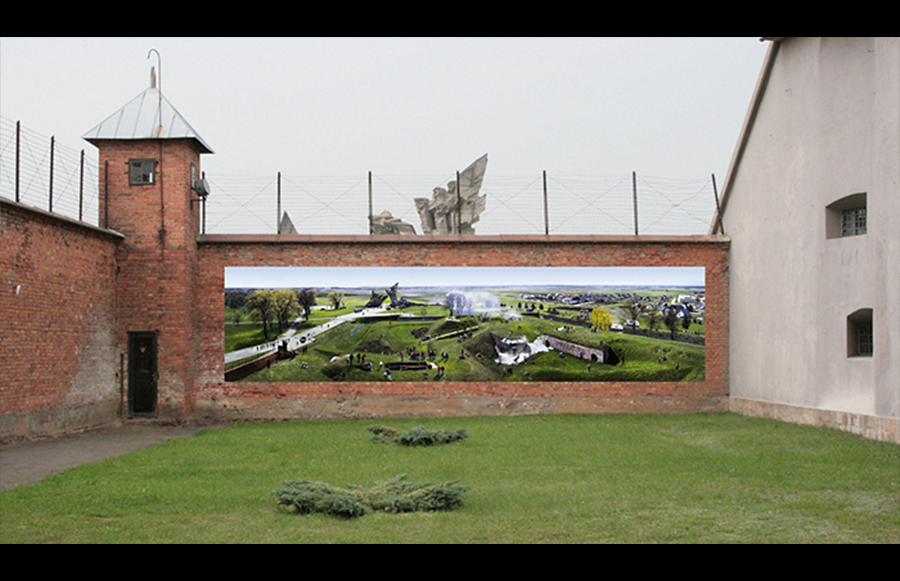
(469, 303)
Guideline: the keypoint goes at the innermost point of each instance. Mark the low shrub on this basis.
(397, 495)
(418, 436)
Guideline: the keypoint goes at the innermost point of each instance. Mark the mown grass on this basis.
(708, 478)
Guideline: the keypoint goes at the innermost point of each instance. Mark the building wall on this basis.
(827, 126)
(216, 399)
(60, 369)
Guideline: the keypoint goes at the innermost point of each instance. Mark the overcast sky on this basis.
(383, 277)
(663, 107)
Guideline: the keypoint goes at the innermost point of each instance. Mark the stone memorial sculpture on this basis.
(286, 226)
(453, 210)
(457, 208)
(385, 223)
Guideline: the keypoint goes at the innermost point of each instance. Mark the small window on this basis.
(141, 172)
(860, 340)
(846, 217)
(853, 221)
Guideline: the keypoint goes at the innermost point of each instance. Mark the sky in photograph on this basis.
(663, 107)
(382, 277)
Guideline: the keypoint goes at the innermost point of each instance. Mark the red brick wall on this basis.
(217, 399)
(57, 321)
(66, 363)
(158, 258)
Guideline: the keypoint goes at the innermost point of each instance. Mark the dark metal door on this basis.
(142, 373)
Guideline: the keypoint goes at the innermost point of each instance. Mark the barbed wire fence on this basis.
(37, 171)
(539, 204)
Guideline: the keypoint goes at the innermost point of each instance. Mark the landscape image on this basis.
(561, 324)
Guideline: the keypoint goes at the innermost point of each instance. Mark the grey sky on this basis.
(382, 277)
(663, 107)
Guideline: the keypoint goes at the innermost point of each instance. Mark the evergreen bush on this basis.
(393, 496)
(418, 436)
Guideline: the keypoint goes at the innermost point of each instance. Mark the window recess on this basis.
(846, 217)
(860, 341)
(141, 172)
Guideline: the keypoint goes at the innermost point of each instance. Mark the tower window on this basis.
(860, 341)
(141, 172)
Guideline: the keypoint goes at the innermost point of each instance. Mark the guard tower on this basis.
(152, 191)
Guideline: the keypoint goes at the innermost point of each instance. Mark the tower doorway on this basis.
(142, 373)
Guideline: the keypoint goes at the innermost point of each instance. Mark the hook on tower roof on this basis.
(152, 72)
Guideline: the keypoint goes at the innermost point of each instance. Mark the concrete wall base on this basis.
(872, 427)
(364, 407)
(58, 421)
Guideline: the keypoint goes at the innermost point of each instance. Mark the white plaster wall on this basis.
(828, 125)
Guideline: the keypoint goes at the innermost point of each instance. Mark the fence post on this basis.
(203, 208)
(52, 148)
(719, 226)
(458, 205)
(546, 216)
(105, 194)
(81, 188)
(18, 134)
(634, 197)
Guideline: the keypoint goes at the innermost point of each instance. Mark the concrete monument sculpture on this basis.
(453, 210)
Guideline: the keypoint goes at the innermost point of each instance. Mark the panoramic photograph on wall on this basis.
(521, 324)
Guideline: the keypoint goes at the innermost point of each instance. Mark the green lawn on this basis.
(706, 478)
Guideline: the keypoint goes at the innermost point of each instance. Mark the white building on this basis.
(812, 206)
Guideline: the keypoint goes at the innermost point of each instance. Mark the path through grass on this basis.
(708, 478)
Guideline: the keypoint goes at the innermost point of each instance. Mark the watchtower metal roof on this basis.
(148, 116)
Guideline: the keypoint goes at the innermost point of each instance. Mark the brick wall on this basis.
(216, 399)
(158, 259)
(66, 366)
(57, 320)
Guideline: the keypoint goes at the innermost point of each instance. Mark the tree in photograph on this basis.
(671, 320)
(601, 319)
(307, 300)
(336, 297)
(634, 308)
(284, 306)
(686, 319)
(260, 305)
(653, 317)
(235, 299)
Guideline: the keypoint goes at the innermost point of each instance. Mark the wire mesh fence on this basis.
(37, 171)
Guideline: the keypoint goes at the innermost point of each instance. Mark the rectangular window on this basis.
(853, 221)
(860, 340)
(141, 172)
(864, 339)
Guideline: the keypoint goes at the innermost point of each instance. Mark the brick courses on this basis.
(158, 258)
(153, 272)
(57, 340)
(255, 400)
